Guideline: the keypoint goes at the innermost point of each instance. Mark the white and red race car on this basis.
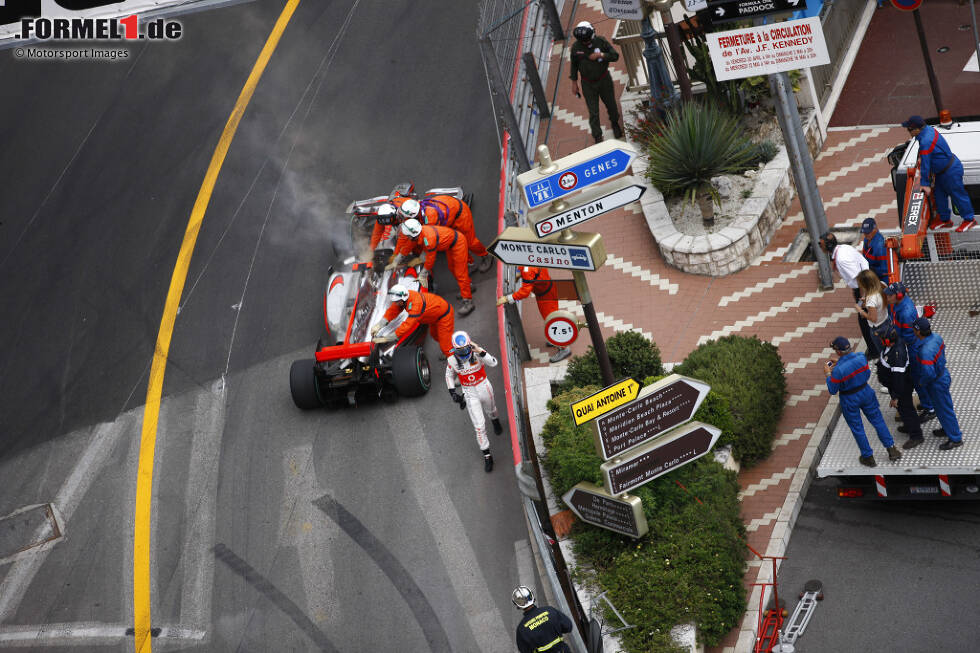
(347, 365)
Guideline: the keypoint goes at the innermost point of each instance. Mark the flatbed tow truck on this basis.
(942, 270)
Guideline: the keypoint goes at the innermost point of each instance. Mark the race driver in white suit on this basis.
(467, 364)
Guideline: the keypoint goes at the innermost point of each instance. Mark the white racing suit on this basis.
(477, 390)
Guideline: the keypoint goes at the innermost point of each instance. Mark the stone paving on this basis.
(777, 301)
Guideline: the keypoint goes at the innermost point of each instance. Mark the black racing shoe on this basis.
(949, 444)
(893, 453)
(939, 433)
(497, 428)
(487, 462)
(912, 443)
(867, 461)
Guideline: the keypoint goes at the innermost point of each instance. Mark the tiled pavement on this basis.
(777, 301)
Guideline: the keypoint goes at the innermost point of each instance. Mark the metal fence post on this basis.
(661, 86)
(537, 88)
(554, 20)
(502, 106)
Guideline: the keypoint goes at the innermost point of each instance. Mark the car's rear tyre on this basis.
(410, 372)
(302, 385)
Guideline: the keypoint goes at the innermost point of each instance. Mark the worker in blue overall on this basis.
(941, 172)
(893, 373)
(849, 378)
(935, 379)
(903, 313)
(874, 249)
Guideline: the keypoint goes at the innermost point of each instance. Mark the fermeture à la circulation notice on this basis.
(777, 37)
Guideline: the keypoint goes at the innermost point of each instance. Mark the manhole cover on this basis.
(26, 529)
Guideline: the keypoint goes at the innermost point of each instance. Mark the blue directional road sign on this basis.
(582, 173)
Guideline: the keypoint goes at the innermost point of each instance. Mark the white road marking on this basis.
(765, 520)
(540, 356)
(846, 197)
(807, 394)
(811, 359)
(104, 440)
(860, 138)
(779, 252)
(767, 483)
(799, 332)
(788, 305)
(768, 284)
(605, 320)
(197, 559)
(305, 529)
(794, 435)
(854, 167)
(85, 633)
(455, 549)
(654, 280)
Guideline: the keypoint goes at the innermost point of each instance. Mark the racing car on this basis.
(352, 365)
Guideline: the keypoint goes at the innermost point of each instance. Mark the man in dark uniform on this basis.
(541, 629)
(941, 172)
(874, 249)
(591, 56)
(894, 373)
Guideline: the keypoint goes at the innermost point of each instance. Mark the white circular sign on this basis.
(561, 328)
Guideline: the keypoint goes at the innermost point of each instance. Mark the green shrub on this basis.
(630, 355)
(699, 142)
(689, 567)
(750, 375)
(763, 152)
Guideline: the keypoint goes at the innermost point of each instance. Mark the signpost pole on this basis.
(661, 87)
(585, 297)
(677, 54)
(933, 82)
(802, 164)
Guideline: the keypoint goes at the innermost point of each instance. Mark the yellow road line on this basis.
(151, 413)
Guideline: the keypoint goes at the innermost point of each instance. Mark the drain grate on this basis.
(27, 528)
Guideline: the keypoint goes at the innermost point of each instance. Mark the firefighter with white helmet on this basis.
(467, 364)
(541, 628)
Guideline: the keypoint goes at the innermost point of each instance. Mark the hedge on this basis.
(630, 354)
(689, 567)
(749, 374)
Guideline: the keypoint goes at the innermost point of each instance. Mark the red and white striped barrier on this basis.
(880, 486)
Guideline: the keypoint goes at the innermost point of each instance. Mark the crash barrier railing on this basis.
(509, 29)
(839, 20)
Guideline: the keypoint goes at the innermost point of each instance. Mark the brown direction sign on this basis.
(660, 406)
(594, 505)
(643, 464)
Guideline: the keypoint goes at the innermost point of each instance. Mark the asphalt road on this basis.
(365, 529)
(897, 576)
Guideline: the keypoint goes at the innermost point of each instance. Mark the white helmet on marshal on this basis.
(410, 209)
(523, 597)
(398, 293)
(412, 228)
(386, 214)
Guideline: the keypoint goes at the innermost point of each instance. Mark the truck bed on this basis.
(953, 287)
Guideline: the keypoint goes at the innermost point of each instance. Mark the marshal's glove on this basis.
(424, 278)
(396, 260)
(458, 398)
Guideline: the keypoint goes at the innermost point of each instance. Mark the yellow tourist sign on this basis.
(607, 399)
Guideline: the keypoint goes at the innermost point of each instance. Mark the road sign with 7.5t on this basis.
(572, 173)
(561, 328)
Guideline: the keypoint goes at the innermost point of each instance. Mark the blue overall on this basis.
(877, 254)
(850, 377)
(935, 380)
(936, 158)
(903, 314)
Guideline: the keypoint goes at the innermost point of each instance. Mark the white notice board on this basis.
(768, 49)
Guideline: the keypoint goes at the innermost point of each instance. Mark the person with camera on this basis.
(848, 376)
